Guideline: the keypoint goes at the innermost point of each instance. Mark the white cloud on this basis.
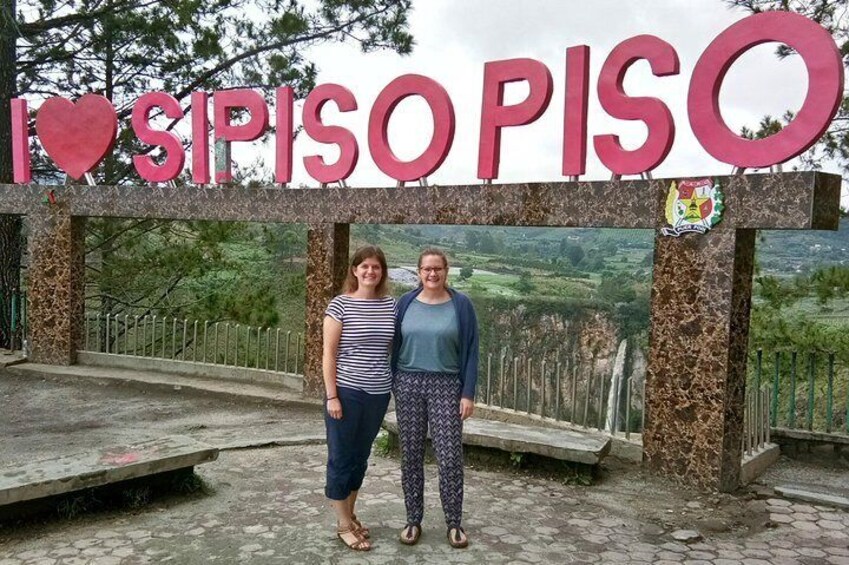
(455, 38)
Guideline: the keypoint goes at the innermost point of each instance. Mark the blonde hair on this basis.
(360, 255)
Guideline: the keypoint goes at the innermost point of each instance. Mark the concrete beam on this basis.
(797, 200)
(565, 445)
(61, 475)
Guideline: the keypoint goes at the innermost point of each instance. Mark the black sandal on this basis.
(459, 540)
(415, 530)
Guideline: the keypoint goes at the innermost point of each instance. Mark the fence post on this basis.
(812, 359)
(297, 351)
(13, 322)
(557, 388)
(628, 389)
(587, 398)
(829, 398)
(248, 346)
(86, 330)
(774, 410)
(573, 412)
(277, 350)
(236, 352)
(768, 416)
(288, 339)
(542, 387)
(502, 384)
(515, 383)
(791, 412)
(488, 377)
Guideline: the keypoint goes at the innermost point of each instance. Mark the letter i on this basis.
(284, 134)
(575, 111)
(22, 173)
(200, 138)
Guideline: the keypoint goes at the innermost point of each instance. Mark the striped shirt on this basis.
(362, 357)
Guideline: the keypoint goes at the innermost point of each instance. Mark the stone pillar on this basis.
(56, 284)
(327, 262)
(701, 296)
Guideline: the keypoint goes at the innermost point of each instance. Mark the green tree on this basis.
(525, 285)
(466, 272)
(122, 48)
(487, 243)
(11, 239)
(575, 254)
(472, 240)
(616, 289)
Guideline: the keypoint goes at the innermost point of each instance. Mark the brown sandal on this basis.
(358, 526)
(415, 530)
(353, 540)
(458, 540)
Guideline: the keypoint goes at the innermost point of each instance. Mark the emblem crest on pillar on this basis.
(693, 206)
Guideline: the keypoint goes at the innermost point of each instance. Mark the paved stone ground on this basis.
(267, 506)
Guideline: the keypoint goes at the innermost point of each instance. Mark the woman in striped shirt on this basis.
(358, 329)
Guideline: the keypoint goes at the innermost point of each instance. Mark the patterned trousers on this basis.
(422, 401)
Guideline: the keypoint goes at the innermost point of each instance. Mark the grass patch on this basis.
(386, 445)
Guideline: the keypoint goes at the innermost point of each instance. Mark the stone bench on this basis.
(60, 475)
(565, 445)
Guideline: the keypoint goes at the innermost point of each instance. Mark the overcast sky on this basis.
(454, 38)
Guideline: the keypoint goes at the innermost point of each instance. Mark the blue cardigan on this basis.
(469, 343)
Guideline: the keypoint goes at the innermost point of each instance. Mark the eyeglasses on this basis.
(429, 270)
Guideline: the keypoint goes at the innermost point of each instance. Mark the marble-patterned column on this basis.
(56, 284)
(695, 387)
(327, 261)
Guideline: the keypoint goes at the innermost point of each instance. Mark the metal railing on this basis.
(195, 341)
(14, 320)
(562, 389)
(756, 418)
(804, 391)
(809, 391)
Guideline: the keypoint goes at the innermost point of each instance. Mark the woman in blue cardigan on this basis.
(435, 365)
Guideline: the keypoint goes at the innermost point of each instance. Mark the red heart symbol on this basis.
(77, 136)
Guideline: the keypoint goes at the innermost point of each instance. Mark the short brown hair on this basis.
(360, 255)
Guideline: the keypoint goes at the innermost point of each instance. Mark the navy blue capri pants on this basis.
(349, 439)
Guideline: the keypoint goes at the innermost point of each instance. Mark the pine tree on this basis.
(123, 48)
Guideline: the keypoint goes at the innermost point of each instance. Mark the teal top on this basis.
(430, 338)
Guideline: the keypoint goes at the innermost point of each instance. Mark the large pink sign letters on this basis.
(78, 136)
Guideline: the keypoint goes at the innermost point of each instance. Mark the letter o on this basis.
(825, 89)
(442, 110)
